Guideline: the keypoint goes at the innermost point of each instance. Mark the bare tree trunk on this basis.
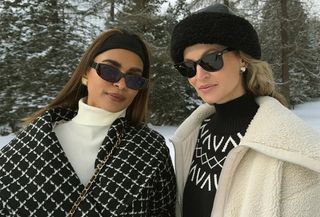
(54, 7)
(143, 6)
(112, 10)
(284, 50)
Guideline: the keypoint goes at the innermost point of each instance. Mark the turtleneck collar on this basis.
(93, 116)
(240, 106)
(233, 116)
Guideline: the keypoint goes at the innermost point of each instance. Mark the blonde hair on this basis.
(74, 90)
(259, 79)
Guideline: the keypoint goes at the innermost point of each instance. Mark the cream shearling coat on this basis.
(274, 172)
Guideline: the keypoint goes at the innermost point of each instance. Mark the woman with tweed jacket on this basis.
(89, 152)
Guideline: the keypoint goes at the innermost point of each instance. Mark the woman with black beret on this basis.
(242, 153)
(89, 152)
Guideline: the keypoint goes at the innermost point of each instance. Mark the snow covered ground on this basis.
(5, 140)
(310, 112)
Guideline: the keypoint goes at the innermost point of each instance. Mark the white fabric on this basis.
(82, 137)
(275, 170)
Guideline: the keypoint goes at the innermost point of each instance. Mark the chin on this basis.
(110, 110)
(113, 110)
(210, 100)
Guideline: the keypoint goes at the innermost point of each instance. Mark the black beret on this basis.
(215, 24)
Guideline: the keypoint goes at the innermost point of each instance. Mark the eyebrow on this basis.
(131, 70)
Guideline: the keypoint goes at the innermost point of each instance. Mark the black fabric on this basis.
(36, 178)
(124, 41)
(215, 24)
(218, 135)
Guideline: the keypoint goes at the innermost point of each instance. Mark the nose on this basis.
(201, 73)
(121, 84)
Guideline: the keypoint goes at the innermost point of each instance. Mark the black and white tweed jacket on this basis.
(36, 178)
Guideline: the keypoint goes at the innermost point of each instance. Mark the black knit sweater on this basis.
(218, 134)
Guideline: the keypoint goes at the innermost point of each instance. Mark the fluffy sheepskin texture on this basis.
(275, 170)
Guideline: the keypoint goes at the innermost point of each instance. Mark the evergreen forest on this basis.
(42, 43)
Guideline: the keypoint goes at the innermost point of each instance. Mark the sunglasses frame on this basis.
(201, 63)
(96, 66)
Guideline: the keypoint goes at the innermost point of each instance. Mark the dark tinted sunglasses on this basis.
(113, 75)
(210, 62)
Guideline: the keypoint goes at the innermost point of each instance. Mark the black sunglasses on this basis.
(112, 74)
(210, 62)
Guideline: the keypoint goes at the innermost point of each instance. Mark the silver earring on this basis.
(242, 69)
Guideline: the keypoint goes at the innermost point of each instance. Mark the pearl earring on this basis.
(242, 69)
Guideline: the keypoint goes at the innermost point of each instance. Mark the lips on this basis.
(206, 87)
(116, 97)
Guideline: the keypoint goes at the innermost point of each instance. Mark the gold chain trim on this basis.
(93, 178)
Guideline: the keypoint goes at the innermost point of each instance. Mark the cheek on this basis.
(91, 79)
(94, 81)
(232, 68)
(132, 95)
(192, 81)
(95, 86)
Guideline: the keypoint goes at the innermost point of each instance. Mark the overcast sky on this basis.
(314, 5)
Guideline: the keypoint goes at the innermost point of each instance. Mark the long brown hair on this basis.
(74, 90)
(259, 79)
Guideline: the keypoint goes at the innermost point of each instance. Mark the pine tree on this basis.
(314, 58)
(298, 47)
(41, 50)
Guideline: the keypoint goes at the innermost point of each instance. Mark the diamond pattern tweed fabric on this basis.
(36, 178)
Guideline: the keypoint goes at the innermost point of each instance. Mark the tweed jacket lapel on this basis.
(124, 176)
(40, 181)
(40, 176)
(126, 172)
(118, 183)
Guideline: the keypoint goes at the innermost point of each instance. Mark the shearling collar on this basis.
(274, 131)
(278, 132)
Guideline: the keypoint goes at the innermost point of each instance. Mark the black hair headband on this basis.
(124, 41)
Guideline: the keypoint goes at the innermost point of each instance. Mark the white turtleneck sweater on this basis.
(82, 137)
